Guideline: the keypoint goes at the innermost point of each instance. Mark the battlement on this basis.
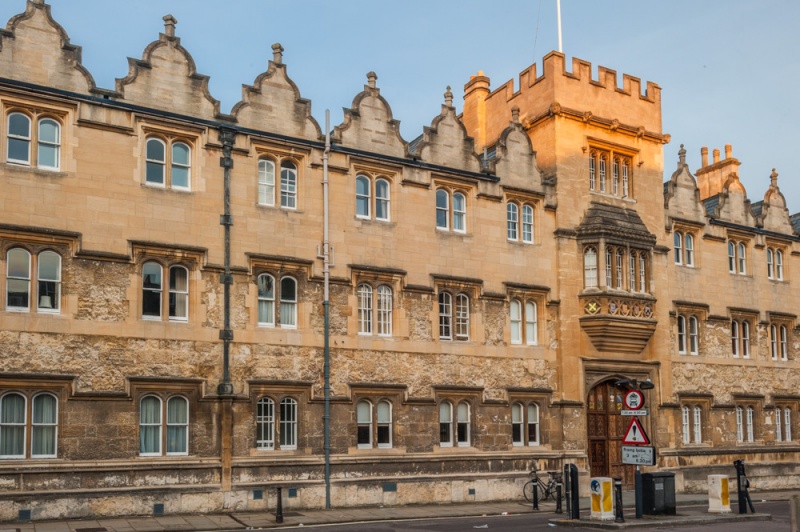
(486, 113)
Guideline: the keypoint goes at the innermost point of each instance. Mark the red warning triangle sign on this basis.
(635, 435)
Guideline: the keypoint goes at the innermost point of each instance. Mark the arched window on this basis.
(739, 424)
(779, 265)
(178, 293)
(685, 424)
(462, 317)
(770, 264)
(602, 173)
(151, 290)
(266, 182)
(382, 199)
(689, 249)
(150, 426)
(384, 310)
(592, 171)
(288, 185)
(615, 177)
(266, 300)
(177, 425)
(265, 424)
(364, 422)
(778, 424)
(787, 424)
(745, 339)
(517, 425)
(773, 341)
(442, 209)
(459, 212)
(463, 432)
(632, 271)
(363, 186)
(735, 338)
(181, 157)
(288, 424)
(445, 424)
(384, 411)
(731, 257)
(49, 282)
(49, 145)
(531, 323)
(516, 321)
(618, 269)
(18, 279)
(609, 267)
(749, 419)
(155, 161)
(681, 335)
(364, 309)
(12, 425)
(19, 139)
(288, 315)
(678, 239)
(445, 316)
(642, 272)
(533, 424)
(698, 424)
(590, 267)
(693, 336)
(784, 343)
(527, 224)
(44, 426)
(625, 179)
(512, 221)
(741, 255)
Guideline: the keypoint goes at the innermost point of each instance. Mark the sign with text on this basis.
(642, 412)
(638, 455)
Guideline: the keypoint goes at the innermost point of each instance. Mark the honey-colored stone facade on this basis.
(481, 237)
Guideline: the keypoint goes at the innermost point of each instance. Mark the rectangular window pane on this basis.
(463, 432)
(176, 439)
(384, 435)
(149, 439)
(151, 303)
(444, 432)
(266, 311)
(288, 314)
(18, 292)
(155, 173)
(363, 434)
(18, 150)
(48, 155)
(180, 177)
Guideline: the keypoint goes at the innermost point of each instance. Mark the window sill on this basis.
(25, 168)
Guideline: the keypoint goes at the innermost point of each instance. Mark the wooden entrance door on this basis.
(606, 428)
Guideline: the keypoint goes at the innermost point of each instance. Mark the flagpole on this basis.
(558, 4)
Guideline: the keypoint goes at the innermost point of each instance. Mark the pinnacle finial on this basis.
(682, 156)
(774, 178)
(372, 77)
(169, 25)
(277, 53)
(448, 97)
(515, 114)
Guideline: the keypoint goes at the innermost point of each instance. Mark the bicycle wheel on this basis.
(527, 490)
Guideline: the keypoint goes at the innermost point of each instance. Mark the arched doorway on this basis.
(606, 429)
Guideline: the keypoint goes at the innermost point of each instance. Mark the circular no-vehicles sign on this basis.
(634, 400)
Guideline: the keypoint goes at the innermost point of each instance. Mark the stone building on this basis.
(494, 283)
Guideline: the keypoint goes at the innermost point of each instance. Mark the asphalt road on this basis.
(540, 522)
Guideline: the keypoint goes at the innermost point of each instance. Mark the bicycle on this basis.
(545, 489)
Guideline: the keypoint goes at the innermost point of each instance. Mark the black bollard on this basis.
(618, 517)
(558, 496)
(279, 510)
(567, 491)
(639, 493)
(535, 496)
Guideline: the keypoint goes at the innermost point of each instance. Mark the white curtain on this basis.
(12, 425)
(45, 413)
(150, 426)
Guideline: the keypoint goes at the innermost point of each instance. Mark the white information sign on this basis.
(643, 412)
(638, 455)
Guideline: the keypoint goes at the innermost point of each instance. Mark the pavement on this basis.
(692, 509)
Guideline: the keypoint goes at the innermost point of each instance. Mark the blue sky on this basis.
(729, 69)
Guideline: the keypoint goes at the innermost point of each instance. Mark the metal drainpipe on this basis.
(326, 418)
(226, 136)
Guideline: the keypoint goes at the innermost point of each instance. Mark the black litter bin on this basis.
(658, 493)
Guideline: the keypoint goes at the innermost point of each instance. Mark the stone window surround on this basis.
(595, 148)
(278, 155)
(37, 111)
(170, 135)
(277, 391)
(166, 256)
(59, 388)
(189, 389)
